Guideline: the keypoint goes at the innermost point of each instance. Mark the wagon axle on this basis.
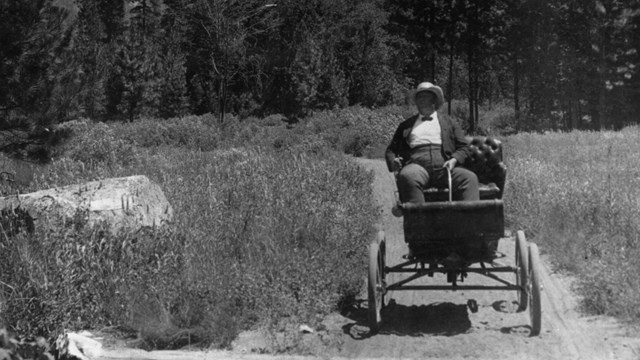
(526, 270)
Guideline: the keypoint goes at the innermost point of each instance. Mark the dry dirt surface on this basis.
(439, 324)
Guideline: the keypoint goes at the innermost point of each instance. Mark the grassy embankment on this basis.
(577, 195)
(271, 221)
(270, 224)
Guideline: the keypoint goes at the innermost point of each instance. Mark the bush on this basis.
(355, 130)
(191, 132)
(95, 144)
(498, 120)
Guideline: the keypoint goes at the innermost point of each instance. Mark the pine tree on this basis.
(39, 80)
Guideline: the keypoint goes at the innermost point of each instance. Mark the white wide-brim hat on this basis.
(427, 86)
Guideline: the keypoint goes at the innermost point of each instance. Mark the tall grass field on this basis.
(263, 237)
(577, 195)
(272, 222)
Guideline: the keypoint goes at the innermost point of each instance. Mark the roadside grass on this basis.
(261, 233)
(577, 195)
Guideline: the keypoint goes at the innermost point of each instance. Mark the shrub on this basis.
(95, 144)
(459, 111)
(191, 132)
(497, 120)
(355, 130)
(15, 175)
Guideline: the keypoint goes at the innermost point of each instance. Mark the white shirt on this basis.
(425, 132)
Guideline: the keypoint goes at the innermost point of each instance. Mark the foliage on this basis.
(354, 130)
(95, 144)
(189, 132)
(579, 202)
(562, 64)
(36, 75)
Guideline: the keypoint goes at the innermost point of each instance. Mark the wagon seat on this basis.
(486, 162)
(434, 227)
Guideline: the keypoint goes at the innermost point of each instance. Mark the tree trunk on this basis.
(433, 51)
(470, 95)
(451, 58)
(450, 86)
(476, 101)
(472, 60)
(222, 98)
(433, 66)
(516, 86)
(601, 123)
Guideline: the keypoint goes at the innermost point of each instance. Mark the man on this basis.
(425, 145)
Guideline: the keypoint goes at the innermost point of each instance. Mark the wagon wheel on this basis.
(535, 310)
(376, 288)
(522, 272)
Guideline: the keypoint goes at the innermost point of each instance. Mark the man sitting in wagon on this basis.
(427, 144)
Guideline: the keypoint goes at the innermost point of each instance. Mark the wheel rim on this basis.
(535, 310)
(376, 286)
(522, 275)
(381, 274)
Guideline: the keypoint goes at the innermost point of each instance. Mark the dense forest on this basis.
(559, 64)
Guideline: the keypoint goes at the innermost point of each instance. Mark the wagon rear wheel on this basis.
(376, 288)
(522, 272)
(535, 310)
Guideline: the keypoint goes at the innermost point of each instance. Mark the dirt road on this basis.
(439, 325)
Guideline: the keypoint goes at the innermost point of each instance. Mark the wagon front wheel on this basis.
(376, 284)
(535, 310)
(522, 272)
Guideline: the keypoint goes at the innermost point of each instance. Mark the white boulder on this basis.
(122, 203)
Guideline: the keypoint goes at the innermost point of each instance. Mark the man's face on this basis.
(426, 102)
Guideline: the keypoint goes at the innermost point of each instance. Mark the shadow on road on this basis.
(444, 319)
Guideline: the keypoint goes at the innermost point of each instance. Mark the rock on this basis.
(306, 329)
(335, 322)
(4, 354)
(4, 338)
(122, 203)
(46, 356)
(23, 348)
(76, 346)
(251, 342)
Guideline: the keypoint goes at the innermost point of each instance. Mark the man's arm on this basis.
(394, 149)
(463, 152)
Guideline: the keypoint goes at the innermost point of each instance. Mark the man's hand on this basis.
(396, 165)
(450, 164)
